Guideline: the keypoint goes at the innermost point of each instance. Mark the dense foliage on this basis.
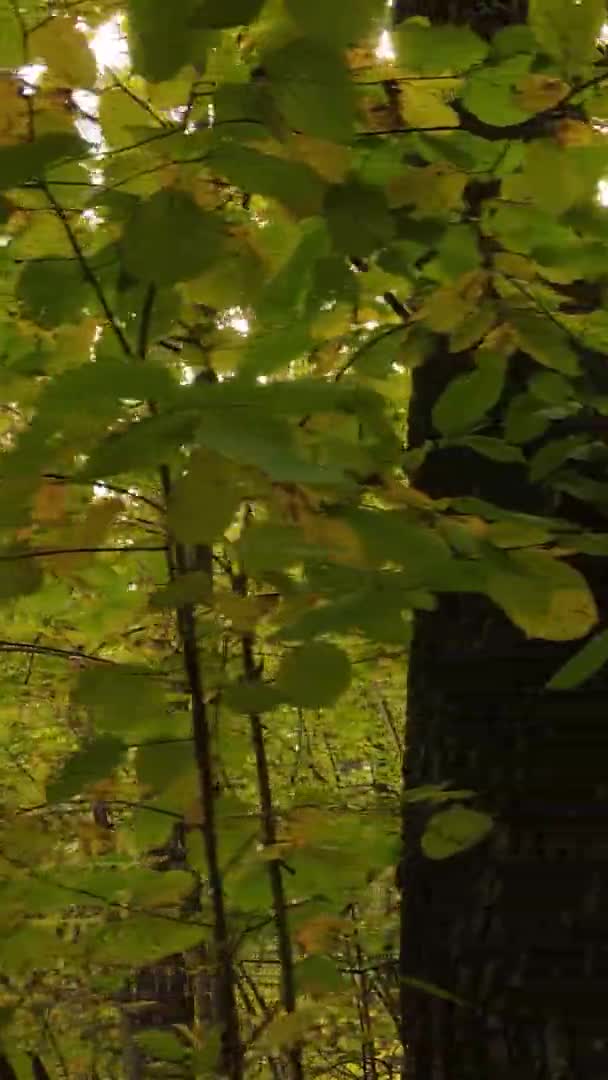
(226, 242)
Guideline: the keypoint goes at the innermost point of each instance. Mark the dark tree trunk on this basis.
(515, 927)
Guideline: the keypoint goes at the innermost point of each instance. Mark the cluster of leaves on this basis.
(221, 258)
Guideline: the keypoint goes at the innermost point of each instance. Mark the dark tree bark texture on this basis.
(516, 927)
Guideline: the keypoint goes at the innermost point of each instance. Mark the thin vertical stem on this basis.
(275, 876)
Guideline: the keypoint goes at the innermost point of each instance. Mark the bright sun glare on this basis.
(110, 46)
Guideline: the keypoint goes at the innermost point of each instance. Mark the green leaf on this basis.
(583, 665)
(489, 93)
(380, 352)
(251, 697)
(467, 398)
(450, 832)
(546, 342)
(204, 499)
(568, 31)
(544, 597)
(270, 350)
(122, 700)
(162, 39)
(19, 575)
(162, 1045)
(170, 239)
(437, 50)
(143, 939)
(344, 24)
(314, 676)
(319, 975)
(30, 161)
(495, 449)
(192, 588)
(312, 88)
(65, 51)
(52, 292)
(95, 761)
(291, 182)
(263, 440)
(553, 454)
(147, 442)
(11, 40)
(350, 202)
(524, 419)
(220, 14)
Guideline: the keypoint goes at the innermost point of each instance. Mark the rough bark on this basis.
(514, 927)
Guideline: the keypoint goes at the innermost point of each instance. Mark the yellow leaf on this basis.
(518, 266)
(535, 93)
(319, 933)
(450, 305)
(65, 51)
(49, 502)
(244, 612)
(546, 598)
(431, 188)
(330, 160)
(14, 113)
(573, 133)
(341, 542)
(423, 107)
(90, 533)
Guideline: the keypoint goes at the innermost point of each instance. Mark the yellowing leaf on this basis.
(331, 160)
(423, 107)
(319, 933)
(49, 502)
(14, 113)
(536, 92)
(90, 534)
(432, 188)
(546, 598)
(65, 51)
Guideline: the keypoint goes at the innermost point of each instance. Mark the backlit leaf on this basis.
(346, 24)
(450, 832)
(204, 499)
(65, 50)
(169, 239)
(545, 597)
(218, 14)
(312, 89)
(435, 50)
(568, 30)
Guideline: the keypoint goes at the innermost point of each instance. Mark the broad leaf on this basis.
(451, 832)
(367, 206)
(314, 676)
(583, 665)
(568, 31)
(218, 14)
(467, 398)
(169, 239)
(312, 89)
(65, 51)
(95, 761)
(345, 24)
(204, 499)
(544, 597)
